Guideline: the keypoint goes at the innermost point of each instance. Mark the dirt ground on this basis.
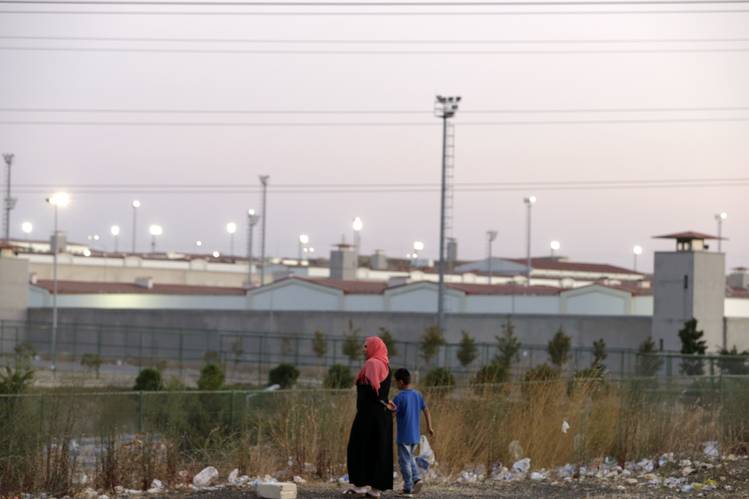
(731, 479)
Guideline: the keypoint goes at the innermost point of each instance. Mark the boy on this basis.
(407, 405)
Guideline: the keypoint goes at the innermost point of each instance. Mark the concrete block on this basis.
(282, 490)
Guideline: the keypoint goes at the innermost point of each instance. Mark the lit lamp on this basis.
(135, 204)
(56, 200)
(27, 228)
(115, 231)
(554, 248)
(252, 220)
(636, 251)
(303, 242)
(357, 225)
(231, 229)
(155, 231)
(418, 248)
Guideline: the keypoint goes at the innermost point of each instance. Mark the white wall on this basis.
(295, 295)
(737, 307)
(598, 303)
(40, 298)
(363, 303)
(484, 304)
(421, 299)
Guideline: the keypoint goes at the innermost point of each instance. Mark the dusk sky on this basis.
(593, 224)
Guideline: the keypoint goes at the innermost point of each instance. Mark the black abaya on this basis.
(370, 446)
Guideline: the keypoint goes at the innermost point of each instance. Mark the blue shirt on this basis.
(409, 404)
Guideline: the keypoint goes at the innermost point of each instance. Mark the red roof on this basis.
(737, 292)
(690, 234)
(80, 287)
(349, 287)
(548, 263)
(504, 289)
(633, 289)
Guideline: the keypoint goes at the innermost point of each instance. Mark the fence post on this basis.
(669, 366)
(140, 412)
(621, 364)
(260, 361)
(98, 341)
(140, 349)
(181, 346)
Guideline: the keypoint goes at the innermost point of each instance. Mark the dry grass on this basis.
(305, 432)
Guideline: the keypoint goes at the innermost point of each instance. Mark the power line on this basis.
(369, 52)
(375, 13)
(368, 4)
(590, 110)
(370, 124)
(345, 41)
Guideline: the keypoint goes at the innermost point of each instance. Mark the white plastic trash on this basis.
(522, 466)
(711, 449)
(425, 459)
(206, 477)
(565, 426)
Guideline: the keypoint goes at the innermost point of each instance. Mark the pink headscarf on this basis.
(375, 368)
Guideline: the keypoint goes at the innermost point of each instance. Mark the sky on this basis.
(592, 224)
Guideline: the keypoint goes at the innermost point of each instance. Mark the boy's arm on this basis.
(428, 417)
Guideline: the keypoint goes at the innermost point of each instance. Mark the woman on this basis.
(370, 446)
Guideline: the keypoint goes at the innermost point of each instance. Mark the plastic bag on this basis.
(425, 459)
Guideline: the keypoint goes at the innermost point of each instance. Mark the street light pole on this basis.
(491, 235)
(720, 218)
(135, 205)
(529, 201)
(155, 230)
(59, 199)
(251, 221)
(10, 203)
(303, 241)
(444, 108)
(231, 228)
(636, 251)
(263, 213)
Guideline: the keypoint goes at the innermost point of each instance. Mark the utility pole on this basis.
(263, 215)
(491, 235)
(10, 203)
(529, 202)
(444, 108)
(251, 222)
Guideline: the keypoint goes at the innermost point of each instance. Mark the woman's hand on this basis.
(391, 406)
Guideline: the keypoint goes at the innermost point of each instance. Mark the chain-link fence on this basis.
(247, 356)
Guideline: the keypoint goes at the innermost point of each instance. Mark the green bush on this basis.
(540, 373)
(352, 345)
(211, 378)
(284, 375)
(648, 360)
(15, 381)
(148, 380)
(439, 376)
(494, 373)
(338, 376)
(320, 344)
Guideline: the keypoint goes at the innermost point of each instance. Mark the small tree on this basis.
(692, 344)
(599, 354)
(211, 357)
(467, 352)
(148, 380)
(387, 338)
(439, 376)
(320, 345)
(559, 348)
(284, 375)
(338, 376)
(352, 346)
(508, 344)
(211, 378)
(431, 341)
(648, 361)
(92, 362)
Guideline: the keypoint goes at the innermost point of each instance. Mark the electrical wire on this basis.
(376, 13)
(368, 3)
(369, 52)
(344, 41)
